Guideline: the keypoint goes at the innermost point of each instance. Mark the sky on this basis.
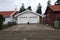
(10, 5)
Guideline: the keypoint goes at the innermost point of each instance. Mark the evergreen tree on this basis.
(22, 8)
(29, 7)
(57, 2)
(48, 3)
(40, 12)
(39, 9)
(2, 19)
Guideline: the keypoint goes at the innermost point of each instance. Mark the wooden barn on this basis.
(52, 14)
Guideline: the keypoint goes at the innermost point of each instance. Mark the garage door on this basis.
(28, 19)
(33, 20)
(22, 20)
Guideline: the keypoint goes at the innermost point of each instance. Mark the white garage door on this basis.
(23, 19)
(28, 19)
(33, 20)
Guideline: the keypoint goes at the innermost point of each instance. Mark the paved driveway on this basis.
(30, 27)
(30, 32)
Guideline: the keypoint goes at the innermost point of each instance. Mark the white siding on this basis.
(7, 20)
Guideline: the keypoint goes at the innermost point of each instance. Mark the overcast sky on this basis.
(12, 4)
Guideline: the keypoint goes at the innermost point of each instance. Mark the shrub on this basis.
(2, 19)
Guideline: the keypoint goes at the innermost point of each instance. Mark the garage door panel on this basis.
(34, 19)
(23, 20)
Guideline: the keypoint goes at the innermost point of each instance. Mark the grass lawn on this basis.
(6, 26)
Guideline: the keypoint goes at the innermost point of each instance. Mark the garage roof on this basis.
(26, 12)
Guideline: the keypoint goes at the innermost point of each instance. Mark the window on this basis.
(23, 17)
(33, 17)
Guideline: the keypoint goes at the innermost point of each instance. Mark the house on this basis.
(7, 16)
(52, 14)
(27, 16)
(20, 18)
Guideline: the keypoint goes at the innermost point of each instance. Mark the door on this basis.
(23, 20)
(33, 19)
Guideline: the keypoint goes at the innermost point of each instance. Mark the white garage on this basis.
(27, 16)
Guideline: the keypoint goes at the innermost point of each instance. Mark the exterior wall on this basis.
(44, 20)
(51, 18)
(7, 19)
(48, 19)
(27, 17)
(57, 16)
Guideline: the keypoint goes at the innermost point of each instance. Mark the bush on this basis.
(2, 19)
(5, 26)
(0, 26)
(11, 23)
(14, 23)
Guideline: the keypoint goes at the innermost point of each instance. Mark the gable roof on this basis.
(55, 7)
(26, 12)
(6, 13)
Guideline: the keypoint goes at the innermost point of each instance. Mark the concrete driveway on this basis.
(30, 32)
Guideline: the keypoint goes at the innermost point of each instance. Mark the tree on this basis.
(2, 19)
(29, 7)
(57, 2)
(40, 12)
(39, 9)
(48, 3)
(22, 8)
